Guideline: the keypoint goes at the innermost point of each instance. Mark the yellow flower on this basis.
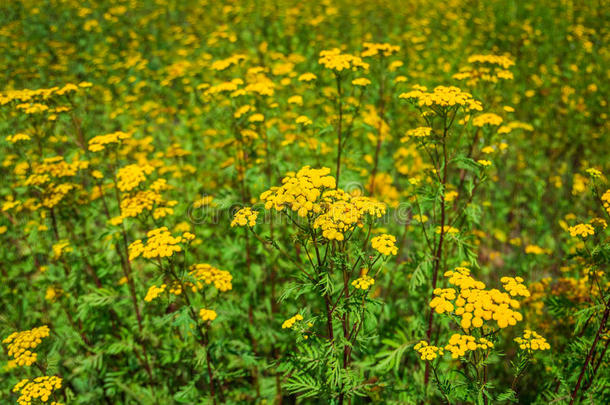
(130, 177)
(18, 137)
(459, 345)
(154, 292)
(582, 230)
(335, 60)
(487, 119)
(373, 49)
(207, 274)
(207, 314)
(532, 341)
(385, 244)
(428, 352)
(256, 118)
(364, 282)
(244, 216)
(37, 388)
(307, 77)
(289, 323)
(443, 96)
(159, 243)
(303, 120)
(420, 132)
(361, 81)
(20, 344)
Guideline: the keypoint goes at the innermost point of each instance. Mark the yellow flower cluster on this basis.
(373, 49)
(503, 61)
(289, 323)
(420, 132)
(442, 302)
(385, 244)
(98, 143)
(488, 68)
(38, 388)
(55, 167)
(443, 96)
(223, 64)
(54, 194)
(207, 314)
(159, 243)
(361, 81)
(474, 304)
(130, 176)
(244, 216)
(230, 86)
(312, 193)
(301, 191)
(515, 286)
(17, 137)
(459, 345)
(447, 229)
(364, 282)
(21, 343)
(582, 230)
(508, 128)
(307, 77)
(606, 200)
(335, 60)
(61, 247)
(594, 173)
(487, 119)
(342, 213)
(30, 95)
(428, 352)
(209, 274)
(134, 204)
(532, 341)
(154, 292)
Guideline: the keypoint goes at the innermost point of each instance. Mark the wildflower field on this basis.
(319, 202)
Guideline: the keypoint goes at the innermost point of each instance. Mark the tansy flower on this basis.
(335, 60)
(289, 323)
(307, 77)
(385, 244)
(428, 352)
(487, 119)
(364, 282)
(297, 100)
(256, 118)
(594, 173)
(582, 230)
(448, 229)
(37, 388)
(207, 274)
(459, 345)
(420, 132)
(442, 96)
(532, 341)
(207, 314)
(159, 243)
(130, 177)
(361, 81)
(154, 292)
(20, 345)
(303, 120)
(244, 216)
(18, 137)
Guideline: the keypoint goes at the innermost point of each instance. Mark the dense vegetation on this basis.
(274, 202)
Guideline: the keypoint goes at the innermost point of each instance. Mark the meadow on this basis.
(321, 202)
